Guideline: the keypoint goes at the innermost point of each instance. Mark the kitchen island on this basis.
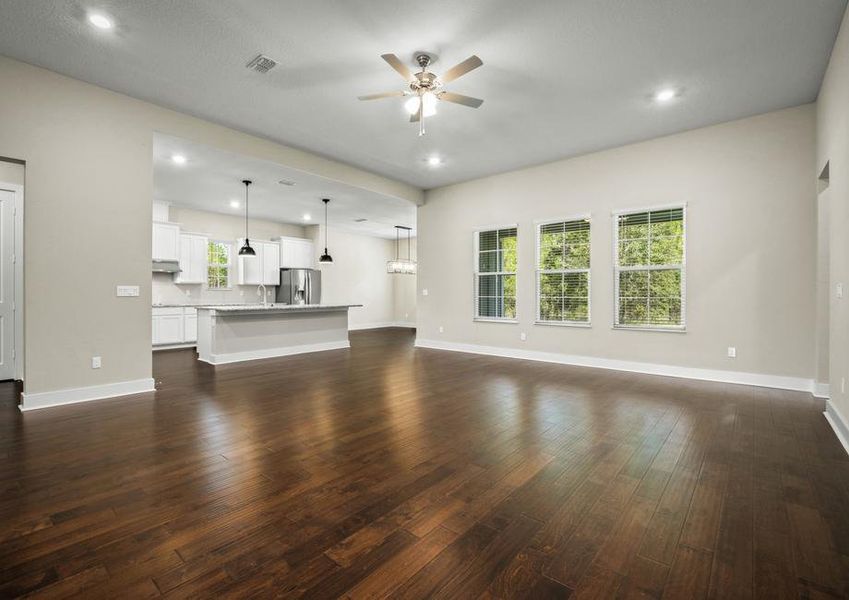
(235, 333)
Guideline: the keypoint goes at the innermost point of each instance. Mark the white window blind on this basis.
(563, 272)
(218, 269)
(650, 269)
(495, 274)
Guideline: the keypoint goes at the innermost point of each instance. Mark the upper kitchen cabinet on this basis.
(264, 268)
(166, 241)
(193, 258)
(296, 253)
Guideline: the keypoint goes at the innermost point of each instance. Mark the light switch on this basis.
(732, 352)
(424, 292)
(127, 291)
(839, 290)
(95, 362)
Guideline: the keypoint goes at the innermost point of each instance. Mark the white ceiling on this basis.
(211, 178)
(559, 78)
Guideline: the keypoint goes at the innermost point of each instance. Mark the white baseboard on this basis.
(821, 390)
(175, 346)
(34, 401)
(380, 325)
(772, 381)
(838, 423)
(233, 357)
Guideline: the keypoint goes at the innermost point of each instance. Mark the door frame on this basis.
(18, 258)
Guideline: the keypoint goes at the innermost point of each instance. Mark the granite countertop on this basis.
(192, 304)
(235, 308)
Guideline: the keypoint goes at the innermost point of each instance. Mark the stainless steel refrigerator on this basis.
(299, 286)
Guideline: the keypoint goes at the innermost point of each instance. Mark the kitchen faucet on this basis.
(261, 286)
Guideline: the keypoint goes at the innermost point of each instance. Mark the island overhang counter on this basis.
(235, 333)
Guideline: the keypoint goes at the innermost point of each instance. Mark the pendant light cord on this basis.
(246, 210)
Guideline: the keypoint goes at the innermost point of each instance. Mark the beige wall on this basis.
(404, 289)
(357, 275)
(219, 227)
(833, 148)
(89, 188)
(751, 246)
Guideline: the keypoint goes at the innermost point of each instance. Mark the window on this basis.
(495, 274)
(218, 269)
(650, 261)
(563, 272)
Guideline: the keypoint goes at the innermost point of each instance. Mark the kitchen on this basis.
(294, 292)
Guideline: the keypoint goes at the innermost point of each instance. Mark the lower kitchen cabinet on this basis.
(174, 325)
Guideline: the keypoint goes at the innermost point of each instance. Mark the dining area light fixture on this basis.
(402, 266)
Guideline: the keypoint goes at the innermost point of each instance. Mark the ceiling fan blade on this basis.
(380, 95)
(414, 118)
(473, 62)
(396, 64)
(461, 99)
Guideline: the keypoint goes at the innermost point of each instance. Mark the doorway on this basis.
(11, 269)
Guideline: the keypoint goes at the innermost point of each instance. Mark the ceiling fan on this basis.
(425, 88)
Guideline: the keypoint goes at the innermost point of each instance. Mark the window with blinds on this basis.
(495, 274)
(563, 272)
(650, 269)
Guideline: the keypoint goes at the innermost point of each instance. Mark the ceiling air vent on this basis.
(360, 220)
(286, 182)
(262, 64)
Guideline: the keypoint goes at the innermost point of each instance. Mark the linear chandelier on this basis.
(403, 266)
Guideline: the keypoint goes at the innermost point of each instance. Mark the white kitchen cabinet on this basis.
(296, 253)
(174, 325)
(264, 268)
(166, 241)
(193, 258)
(190, 325)
(168, 326)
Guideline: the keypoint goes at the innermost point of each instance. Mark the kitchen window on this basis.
(218, 269)
(650, 269)
(563, 272)
(495, 274)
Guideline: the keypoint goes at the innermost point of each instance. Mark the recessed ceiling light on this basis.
(179, 159)
(234, 203)
(434, 161)
(665, 95)
(307, 217)
(100, 21)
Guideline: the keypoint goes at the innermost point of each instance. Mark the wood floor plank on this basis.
(387, 471)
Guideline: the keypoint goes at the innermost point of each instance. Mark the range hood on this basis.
(166, 266)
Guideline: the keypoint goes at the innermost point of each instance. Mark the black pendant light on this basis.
(246, 249)
(325, 258)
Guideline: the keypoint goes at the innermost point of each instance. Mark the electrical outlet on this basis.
(424, 292)
(95, 362)
(441, 329)
(523, 336)
(406, 315)
(732, 352)
(188, 292)
(242, 293)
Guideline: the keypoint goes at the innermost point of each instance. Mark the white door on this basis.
(7, 284)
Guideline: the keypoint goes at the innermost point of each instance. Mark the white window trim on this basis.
(477, 274)
(682, 328)
(229, 266)
(538, 224)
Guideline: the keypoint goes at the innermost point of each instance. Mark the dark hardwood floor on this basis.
(392, 471)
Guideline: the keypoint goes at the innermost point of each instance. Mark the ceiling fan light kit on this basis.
(426, 88)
